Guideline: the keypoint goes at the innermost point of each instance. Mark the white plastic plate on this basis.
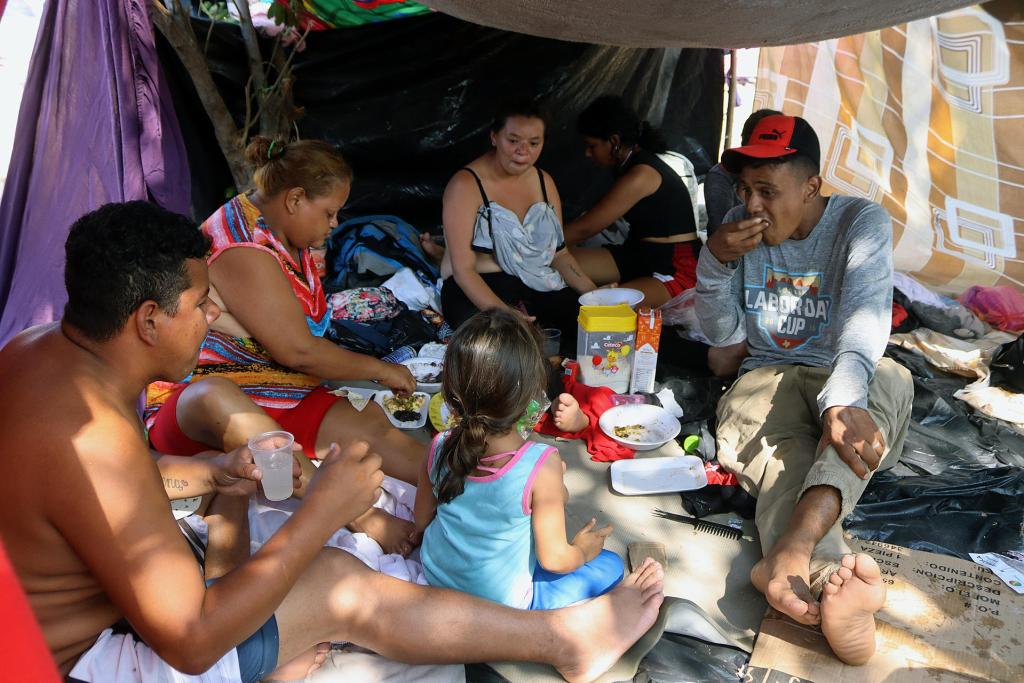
(658, 475)
(416, 424)
(657, 426)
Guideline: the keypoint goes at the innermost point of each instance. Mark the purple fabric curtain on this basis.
(96, 125)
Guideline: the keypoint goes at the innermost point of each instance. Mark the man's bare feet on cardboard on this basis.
(848, 604)
(597, 632)
(393, 534)
(783, 578)
(567, 414)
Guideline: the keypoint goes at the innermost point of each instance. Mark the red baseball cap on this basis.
(774, 137)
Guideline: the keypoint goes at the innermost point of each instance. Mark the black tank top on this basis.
(665, 213)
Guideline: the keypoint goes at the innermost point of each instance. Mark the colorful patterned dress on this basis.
(244, 361)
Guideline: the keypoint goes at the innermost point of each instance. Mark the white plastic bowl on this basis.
(612, 296)
(659, 427)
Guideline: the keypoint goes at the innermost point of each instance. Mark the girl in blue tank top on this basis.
(490, 504)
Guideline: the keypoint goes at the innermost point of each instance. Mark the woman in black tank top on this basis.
(659, 256)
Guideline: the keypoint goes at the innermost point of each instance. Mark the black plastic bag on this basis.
(1008, 366)
(961, 510)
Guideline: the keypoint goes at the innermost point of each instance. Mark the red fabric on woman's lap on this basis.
(303, 422)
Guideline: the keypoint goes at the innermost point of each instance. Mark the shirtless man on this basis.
(84, 514)
(816, 408)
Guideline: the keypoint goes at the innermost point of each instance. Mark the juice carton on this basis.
(645, 358)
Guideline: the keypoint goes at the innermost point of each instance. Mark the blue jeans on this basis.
(257, 654)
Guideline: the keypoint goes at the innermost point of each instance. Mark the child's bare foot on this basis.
(393, 534)
(848, 604)
(303, 666)
(434, 250)
(567, 414)
(596, 633)
(783, 578)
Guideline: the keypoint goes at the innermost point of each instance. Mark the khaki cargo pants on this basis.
(768, 432)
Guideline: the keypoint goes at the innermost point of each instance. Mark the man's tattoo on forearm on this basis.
(176, 484)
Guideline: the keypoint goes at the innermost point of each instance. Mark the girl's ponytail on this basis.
(493, 369)
(459, 456)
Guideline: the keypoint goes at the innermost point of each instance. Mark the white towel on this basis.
(397, 498)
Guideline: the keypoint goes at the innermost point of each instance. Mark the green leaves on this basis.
(283, 15)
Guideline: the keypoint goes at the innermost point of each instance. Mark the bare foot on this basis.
(393, 534)
(434, 250)
(302, 667)
(783, 578)
(567, 414)
(599, 631)
(848, 604)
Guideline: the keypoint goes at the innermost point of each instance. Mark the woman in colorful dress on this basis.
(268, 341)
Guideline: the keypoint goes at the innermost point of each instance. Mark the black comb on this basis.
(713, 528)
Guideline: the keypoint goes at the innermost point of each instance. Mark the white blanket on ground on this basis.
(117, 658)
(397, 498)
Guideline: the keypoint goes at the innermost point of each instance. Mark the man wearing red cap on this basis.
(816, 409)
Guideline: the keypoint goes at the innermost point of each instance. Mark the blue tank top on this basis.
(481, 542)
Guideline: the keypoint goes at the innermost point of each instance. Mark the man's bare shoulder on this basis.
(54, 407)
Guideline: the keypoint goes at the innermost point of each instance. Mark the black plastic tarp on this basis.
(959, 485)
(410, 101)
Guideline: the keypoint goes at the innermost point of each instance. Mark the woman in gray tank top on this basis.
(503, 231)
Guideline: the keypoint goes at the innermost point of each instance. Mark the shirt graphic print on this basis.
(789, 307)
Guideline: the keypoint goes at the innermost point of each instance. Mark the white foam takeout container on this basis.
(432, 364)
(412, 424)
(658, 475)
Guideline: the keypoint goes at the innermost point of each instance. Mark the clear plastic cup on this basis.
(272, 452)
(552, 341)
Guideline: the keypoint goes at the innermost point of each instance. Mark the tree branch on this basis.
(252, 46)
(175, 25)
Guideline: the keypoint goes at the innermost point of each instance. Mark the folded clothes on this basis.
(934, 311)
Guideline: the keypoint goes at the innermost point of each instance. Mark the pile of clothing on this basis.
(382, 288)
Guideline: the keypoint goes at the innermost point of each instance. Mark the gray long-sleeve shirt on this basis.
(823, 301)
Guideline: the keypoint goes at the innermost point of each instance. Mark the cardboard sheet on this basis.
(945, 619)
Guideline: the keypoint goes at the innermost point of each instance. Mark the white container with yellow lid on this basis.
(604, 346)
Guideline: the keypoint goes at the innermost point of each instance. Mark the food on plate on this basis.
(630, 431)
(404, 408)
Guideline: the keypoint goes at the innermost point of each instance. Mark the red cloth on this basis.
(23, 651)
(303, 422)
(899, 314)
(719, 477)
(593, 402)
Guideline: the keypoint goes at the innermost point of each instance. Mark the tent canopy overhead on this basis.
(698, 23)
